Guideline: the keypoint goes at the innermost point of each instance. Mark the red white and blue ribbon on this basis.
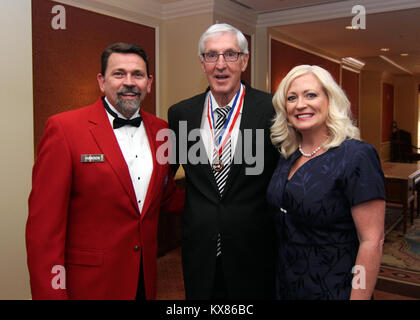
(230, 122)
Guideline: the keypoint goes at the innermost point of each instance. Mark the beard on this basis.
(128, 107)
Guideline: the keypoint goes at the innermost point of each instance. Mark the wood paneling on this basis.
(285, 57)
(350, 85)
(66, 62)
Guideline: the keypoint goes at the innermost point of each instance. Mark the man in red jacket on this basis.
(97, 190)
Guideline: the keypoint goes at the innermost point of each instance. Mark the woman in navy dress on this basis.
(328, 191)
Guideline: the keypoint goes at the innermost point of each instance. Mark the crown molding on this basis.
(329, 11)
(230, 9)
(131, 10)
(236, 12)
(223, 7)
(186, 8)
(352, 64)
(146, 7)
(168, 11)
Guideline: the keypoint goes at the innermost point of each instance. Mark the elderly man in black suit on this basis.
(228, 232)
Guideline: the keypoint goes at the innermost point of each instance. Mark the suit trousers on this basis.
(141, 293)
(219, 289)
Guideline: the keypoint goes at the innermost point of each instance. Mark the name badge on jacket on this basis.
(93, 158)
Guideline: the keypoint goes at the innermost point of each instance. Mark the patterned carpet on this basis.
(400, 269)
(170, 278)
(399, 273)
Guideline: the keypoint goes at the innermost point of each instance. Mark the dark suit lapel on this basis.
(194, 122)
(195, 113)
(105, 138)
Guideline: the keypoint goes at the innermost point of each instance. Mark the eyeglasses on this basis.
(229, 56)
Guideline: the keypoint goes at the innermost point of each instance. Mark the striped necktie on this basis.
(225, 156)
(221, 176)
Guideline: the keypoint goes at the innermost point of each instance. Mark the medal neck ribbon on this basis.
(228, 123)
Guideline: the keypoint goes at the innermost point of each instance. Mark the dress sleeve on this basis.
(364, 179)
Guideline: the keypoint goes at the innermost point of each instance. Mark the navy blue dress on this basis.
(317, 238)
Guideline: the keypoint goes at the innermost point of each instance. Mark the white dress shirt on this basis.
(134, 145)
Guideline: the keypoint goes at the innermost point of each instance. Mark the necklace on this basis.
(308, 155)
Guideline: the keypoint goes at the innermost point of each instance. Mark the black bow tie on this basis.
(119, 122)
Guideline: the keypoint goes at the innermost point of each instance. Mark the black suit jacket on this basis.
(241, 215)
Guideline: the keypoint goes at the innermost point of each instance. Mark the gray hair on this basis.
(339, 124)
(219, 29)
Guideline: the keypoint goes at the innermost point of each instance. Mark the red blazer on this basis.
(84, 216)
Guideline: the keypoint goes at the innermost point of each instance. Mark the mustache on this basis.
(126, 90)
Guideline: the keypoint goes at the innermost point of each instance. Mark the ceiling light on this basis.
(404, 54)
(352, 27)
(385, 49)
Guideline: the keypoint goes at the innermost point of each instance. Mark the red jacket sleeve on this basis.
(47, 221)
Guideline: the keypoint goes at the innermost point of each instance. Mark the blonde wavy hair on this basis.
(340, 127)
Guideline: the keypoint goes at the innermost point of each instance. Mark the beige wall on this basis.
(385, 149)
(261, 58)
(406, 109)
(16, 144)
(182, 76)
(371, 107)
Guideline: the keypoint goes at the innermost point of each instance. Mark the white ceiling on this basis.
(397, 30)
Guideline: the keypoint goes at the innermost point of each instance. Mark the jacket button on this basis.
(136, 248)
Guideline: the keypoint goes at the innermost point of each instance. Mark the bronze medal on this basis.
(218, 165)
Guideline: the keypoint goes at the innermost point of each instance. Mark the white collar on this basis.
(216, 105)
